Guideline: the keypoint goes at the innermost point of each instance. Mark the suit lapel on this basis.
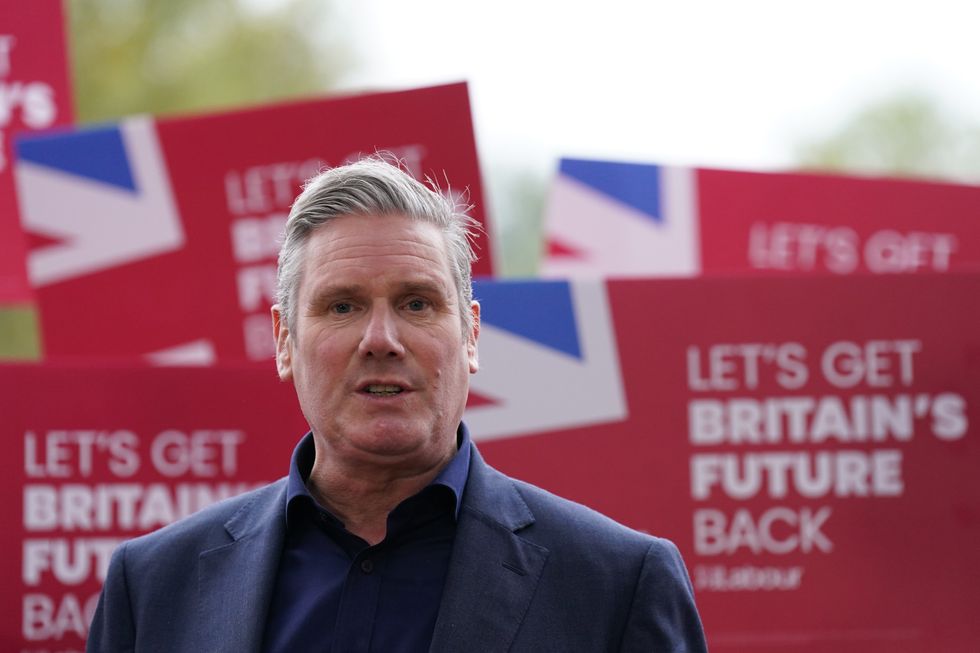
(235, 581)
(493, 572)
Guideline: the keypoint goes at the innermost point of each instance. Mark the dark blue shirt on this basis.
(336, 593)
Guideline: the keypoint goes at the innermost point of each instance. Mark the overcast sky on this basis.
(724, 84)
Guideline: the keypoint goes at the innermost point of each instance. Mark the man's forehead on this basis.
(367, 250)
(377, 230)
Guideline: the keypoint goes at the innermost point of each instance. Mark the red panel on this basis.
(816, 223)
(876, 376)
(883, 560)
(238, 173)
(129, 449)
(34, 94)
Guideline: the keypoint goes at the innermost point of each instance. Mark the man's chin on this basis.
(389, 440)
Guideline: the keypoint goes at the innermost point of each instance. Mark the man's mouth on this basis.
(383, 390)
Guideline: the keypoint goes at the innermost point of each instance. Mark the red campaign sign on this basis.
(813, 223)
(101, 455)
(174, 223)
(625, 219)
(809, 443)
(34, 94)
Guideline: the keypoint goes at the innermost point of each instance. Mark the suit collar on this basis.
(493, 572)
(453, 476)
(235, 581)
(495, 496)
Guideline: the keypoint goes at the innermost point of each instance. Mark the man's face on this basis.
(377, 355)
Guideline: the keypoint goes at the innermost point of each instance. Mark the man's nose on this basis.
(381, 337)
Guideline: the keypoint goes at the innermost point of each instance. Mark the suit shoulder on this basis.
(594, 550)
(210, 526)
(582, 540)
(555, 514)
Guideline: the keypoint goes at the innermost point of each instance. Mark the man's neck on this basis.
(363, 498)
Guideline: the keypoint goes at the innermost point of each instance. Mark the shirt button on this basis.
(367, 566)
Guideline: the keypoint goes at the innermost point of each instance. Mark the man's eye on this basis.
(342, 308)
(416, 305)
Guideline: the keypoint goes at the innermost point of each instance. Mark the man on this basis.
(390, 532)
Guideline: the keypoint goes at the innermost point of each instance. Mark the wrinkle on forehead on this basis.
(423, 236)
(418, 257)
(358, 253)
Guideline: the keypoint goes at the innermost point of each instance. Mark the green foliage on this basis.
(517, 200)
(19, 334)
(903, 135)
(178, 56)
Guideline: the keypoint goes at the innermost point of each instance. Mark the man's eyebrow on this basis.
(420, 286)
(329, 290)
(423, 287)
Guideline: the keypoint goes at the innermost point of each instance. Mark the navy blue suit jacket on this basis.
(529, 572)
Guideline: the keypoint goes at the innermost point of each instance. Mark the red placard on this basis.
(831, 224)
(34, 94)
(173, 232)
(639, 220)
(104, 454)
(809, 443)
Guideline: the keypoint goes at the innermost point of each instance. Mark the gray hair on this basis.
(374, 186)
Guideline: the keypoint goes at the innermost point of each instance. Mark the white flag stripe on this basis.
(617, 240)
(542, 389)
(125, 226)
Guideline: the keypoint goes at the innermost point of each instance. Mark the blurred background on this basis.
(863, 86)
(868, 87)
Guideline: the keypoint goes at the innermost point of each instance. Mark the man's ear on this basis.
(284, 345)
(472, 337)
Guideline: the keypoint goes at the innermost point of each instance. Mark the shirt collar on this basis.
(452, 476)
